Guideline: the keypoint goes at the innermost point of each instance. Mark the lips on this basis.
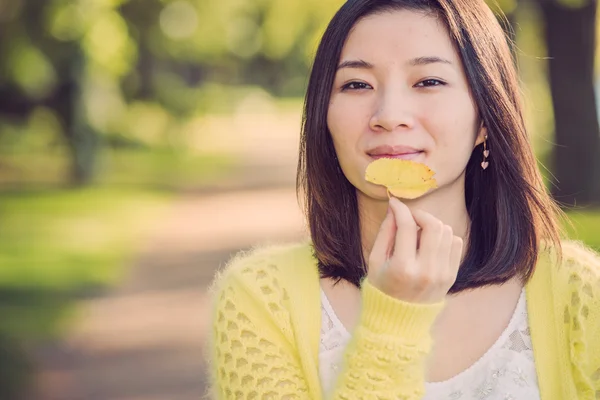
(387, 151)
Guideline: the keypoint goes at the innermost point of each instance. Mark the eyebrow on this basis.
(428, 60)
(355, 64)
(361, 64)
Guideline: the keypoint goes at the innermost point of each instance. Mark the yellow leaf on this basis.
(403, 178)
(411, 191)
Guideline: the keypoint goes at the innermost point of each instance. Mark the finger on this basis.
(405, 245)
(431, 234)
(456, 253)
(445, 244)
(384, 242)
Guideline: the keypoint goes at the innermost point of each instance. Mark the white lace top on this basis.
(505, 372)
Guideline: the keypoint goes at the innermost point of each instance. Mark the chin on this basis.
(372, 192)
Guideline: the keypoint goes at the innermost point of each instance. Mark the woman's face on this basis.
(400, 91)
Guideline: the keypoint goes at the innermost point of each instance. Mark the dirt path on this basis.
(144, 340)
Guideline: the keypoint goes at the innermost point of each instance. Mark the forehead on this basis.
(399, 35)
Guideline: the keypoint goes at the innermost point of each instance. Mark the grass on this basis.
(164, 169)
(586, 227)
(59, 243)
(55, 246)
(159, 169)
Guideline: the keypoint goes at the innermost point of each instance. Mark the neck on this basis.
(445, 203)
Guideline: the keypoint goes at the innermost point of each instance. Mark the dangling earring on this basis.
(486, 154)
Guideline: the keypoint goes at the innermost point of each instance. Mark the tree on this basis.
(570, 33)
(47, 63)
(87, 61)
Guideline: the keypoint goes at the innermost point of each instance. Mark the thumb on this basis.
(383, 247)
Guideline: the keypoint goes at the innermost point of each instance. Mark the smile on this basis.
(404, 156)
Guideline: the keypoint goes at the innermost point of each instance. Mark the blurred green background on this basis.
(111, 109)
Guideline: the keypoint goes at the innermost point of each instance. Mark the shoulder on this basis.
(571, 277)
(574, 266)
(572, 272)
(586, 259)
(580, 266)
(576, 286)
(262, 264)
(578, 282)
(256, 285)
(264, 272)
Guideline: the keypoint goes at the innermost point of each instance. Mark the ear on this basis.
(481, 135)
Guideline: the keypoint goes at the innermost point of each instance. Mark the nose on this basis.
(392, 111)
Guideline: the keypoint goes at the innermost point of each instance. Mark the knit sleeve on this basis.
(385, 358)
(581, 272)
(254, 354)
(252, 350)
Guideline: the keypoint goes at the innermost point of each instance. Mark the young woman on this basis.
(464, 293)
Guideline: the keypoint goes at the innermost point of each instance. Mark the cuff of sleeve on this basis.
(384, 314)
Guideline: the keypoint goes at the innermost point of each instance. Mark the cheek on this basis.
(456, 121)
(344, 111)
(345, 123)
(454, 131)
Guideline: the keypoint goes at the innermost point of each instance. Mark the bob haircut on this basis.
(512, 215)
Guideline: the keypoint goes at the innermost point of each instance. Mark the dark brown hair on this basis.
(510, 210)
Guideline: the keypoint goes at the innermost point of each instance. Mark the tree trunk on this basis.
(570, 36)
(83, 140)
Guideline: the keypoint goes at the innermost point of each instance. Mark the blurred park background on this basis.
(142, 142)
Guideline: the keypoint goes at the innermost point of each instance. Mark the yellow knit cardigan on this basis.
(266, 330)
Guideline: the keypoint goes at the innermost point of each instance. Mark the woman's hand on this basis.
(415, 271)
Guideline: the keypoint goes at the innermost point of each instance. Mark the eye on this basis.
(430, 83)
(356, 86)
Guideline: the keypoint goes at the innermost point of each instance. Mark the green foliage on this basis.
(573, 3)
(585, 226)
(64, 240)
(30, 69)
(94, 66)
(507, 6)
(226, 40)
(108, 46)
